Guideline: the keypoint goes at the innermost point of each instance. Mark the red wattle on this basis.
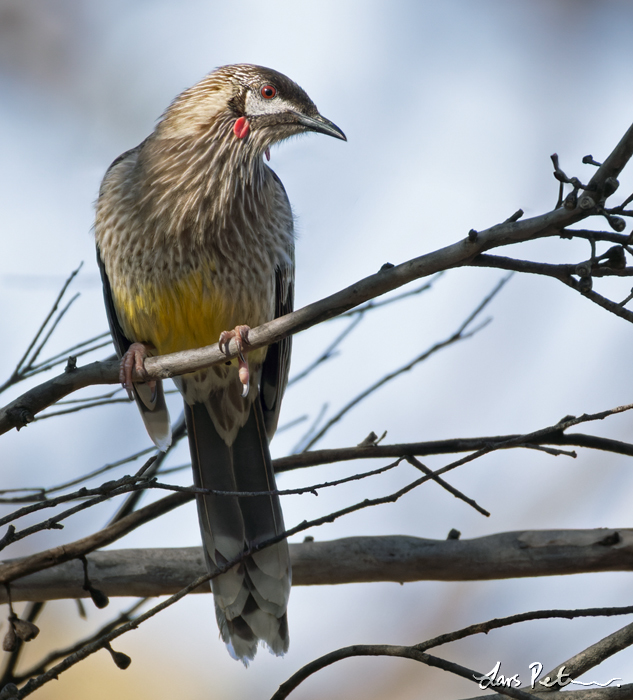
(241, 127)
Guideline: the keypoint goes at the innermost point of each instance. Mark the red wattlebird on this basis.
(195, 242)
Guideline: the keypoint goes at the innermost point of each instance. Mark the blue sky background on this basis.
(451, 110)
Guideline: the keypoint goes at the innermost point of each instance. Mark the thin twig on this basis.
(591, 657)
(108, 489)
(445, 485)
(50, 331)
(559, 272)
(498, 623)
(373, 305)
(43, 560)
(311, 429)
(47, 365)
(82, 407)
(18, 369)
(32, 612)
(74, 350)
(101, 470)
(459, 335)
(124, 485)
(387, 650)
(328, 353)
(53, 656)
(407, 652)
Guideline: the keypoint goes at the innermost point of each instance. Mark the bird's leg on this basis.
(240, 333)
(134, 359)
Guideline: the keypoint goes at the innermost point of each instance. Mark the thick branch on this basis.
(152, 572)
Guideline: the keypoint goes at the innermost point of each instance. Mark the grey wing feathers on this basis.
(150, 402)
(121, 343)
(277, 363)
(276, 366)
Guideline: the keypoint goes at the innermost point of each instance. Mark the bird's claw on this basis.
(240, 335)
(134, 360)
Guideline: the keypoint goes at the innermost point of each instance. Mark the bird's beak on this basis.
(322, 125)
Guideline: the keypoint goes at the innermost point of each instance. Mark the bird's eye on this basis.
(268, 91)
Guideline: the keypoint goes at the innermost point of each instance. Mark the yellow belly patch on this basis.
(182, 314)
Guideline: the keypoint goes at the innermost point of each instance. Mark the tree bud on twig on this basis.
(611, 184)
(10, 639)
(25, 630)
(585, 284)
(99, 598)
(617, 223)
(583, 269)
(9, 691)
(120, 659)
(589, 160)
(616, 258)
(571, 200)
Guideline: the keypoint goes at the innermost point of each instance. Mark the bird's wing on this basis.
(121, 343)
(150, 401)
(276, 366)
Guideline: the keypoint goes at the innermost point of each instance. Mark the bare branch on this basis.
(152, 572)
(372, 305)
(451, 446)
(20, 368)
(594, 655)
(61, 357)
(386, 650)
(53, 656)
(498, 623)
(407, 652)
(81, 407)
(50, 557)
(328, 353)
(451, 489)
(560, 272)
(10, 660)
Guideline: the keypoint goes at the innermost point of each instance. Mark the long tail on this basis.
(251, 598)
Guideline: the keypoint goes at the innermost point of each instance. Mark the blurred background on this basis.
(452, 110)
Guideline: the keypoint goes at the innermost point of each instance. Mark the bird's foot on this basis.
(240, 334)
(134, 359)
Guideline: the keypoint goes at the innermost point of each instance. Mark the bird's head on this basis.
(246, 106)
